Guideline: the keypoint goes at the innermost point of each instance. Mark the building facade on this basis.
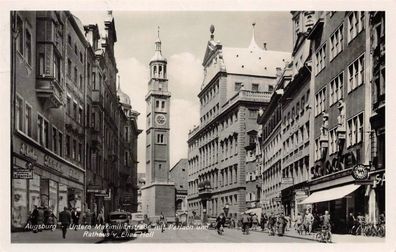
(237, 83)
(158, 195)
(179, 175)
(54, 150)
(342, 107)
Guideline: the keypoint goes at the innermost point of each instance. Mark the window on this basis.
(19, 38)
(68, 147)
(54, 140)
(69, 67)
(336, 89)
(126, 158)
(356, 74)
(46, 134)
(320, 100)
(255, 87)
(355, 130)
(94, 81)
(41, 66)
(60, 140)
(75, 49)
(333, 146)
(74, 149)
(57, 64)
(69, 39)
(28, 120)
(81, 57)
(160, 138)
(126, 129)
(68, 105)
(80, 152)
(75, 110)
(320, 59)
(355, 24)
(19, 113)
(157, 104)
(163, 104)
(270, 88)
(75, 74)
(40, 126)
(238, 86)
(28, 45)
(81, 82)
(336, 42)
(80, 115)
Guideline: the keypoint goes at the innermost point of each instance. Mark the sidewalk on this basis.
(48, 236)
(336, 238)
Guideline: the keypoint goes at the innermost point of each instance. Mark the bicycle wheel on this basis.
(319, 237)
(328, 237)
(358, 230)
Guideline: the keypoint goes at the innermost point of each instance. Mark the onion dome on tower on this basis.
(158, 62)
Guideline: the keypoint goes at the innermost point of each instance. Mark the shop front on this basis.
(42, 179)
(339, 200)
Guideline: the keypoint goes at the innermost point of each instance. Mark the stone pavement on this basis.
(336, 238)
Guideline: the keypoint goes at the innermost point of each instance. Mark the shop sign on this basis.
(101, 193)
(360, 172)
(23, 173)
(28, 151)
(379, 180)
(52, 163)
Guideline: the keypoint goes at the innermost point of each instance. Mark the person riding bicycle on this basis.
(220, 221)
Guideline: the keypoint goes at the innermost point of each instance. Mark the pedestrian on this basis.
(74, 216)
(263, 221)
(351, 223)
(162, 222)
(271, 224)
(287, 217)
(254, 221)
(282, 222)
(100, 217)
(65, 220)
(220, 221)
(299, 224)
(245, 220)
(177, 220)
(40, 218)
(88, 217)
(308, 221)
(34, 217)
(51, 218)
(326, 220)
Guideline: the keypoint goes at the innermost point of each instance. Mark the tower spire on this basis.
(253, 44)
(158, 41)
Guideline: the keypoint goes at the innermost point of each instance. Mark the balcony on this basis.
(49, 91)
(204, 190)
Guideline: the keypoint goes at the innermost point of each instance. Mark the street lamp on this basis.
(226, 209)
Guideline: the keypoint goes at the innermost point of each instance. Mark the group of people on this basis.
(41, 216)
(305, 222)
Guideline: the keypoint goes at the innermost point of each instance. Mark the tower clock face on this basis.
(160, 119)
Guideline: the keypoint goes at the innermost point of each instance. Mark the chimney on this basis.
(265, 46)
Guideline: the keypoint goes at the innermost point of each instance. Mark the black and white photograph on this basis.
(196, 126)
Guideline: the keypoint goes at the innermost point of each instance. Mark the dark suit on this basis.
(65, 219)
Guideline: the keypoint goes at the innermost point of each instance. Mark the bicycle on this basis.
(324, 235)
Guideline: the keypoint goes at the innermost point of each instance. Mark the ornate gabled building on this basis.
(237, 83)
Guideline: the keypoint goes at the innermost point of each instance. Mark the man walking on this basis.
(308, 221)
(65, 220)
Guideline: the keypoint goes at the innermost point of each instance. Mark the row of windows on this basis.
(210, 94)
(75, 111)
(210, 114)
(296, 139)
(296, 111)
(48, 136)
(355, 26)
(76, 51)
(77, 78)
(254, 87)
(336, 86)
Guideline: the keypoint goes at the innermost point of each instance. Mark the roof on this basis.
(254, 60)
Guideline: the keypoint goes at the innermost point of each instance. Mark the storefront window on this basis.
(53, 195)
(34, 192)
(19, 203)
(62, 197)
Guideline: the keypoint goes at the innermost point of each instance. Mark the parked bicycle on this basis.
(324, 235)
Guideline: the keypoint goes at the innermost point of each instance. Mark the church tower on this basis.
(158, 195)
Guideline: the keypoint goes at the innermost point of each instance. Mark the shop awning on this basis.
(330, 194)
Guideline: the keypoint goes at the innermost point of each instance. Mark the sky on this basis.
(184, 36)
